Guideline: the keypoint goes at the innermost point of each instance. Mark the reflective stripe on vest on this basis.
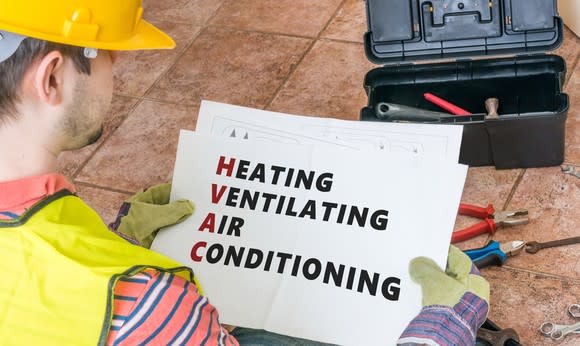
(59, 264)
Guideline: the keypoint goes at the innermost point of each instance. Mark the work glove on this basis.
(455, 302)
(144, 214)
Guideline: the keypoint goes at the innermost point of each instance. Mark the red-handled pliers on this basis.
(492, 220)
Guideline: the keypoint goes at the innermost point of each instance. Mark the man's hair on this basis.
(13, 69)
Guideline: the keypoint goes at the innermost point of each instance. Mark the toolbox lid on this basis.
(409, 30)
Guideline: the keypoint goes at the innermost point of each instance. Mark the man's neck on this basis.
(24, 153)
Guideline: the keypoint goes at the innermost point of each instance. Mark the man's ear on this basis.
(49, 78)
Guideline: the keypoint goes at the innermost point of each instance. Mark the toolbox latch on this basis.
(447, 20)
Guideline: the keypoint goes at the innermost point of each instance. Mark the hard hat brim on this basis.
(146, 37)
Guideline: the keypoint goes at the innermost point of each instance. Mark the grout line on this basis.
(337, 40)
(214, 14)
(164, 101)
(308, 50)
(127, 96)
(282, 34)
(203, 24)
(177, 59)
(254, 31)
(514, 188)
(548, 275)
(174, 103)
(155, 21)
(290, 73)
(110, 189)
(203, 28)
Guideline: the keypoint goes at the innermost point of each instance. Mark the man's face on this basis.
(89, 100)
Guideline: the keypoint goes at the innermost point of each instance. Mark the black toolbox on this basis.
(530, 131)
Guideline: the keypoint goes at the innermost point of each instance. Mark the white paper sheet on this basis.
(422, 200)
(417, 141)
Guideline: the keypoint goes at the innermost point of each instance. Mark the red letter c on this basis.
(194, 256)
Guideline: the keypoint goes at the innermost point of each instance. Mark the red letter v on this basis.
(215, 195)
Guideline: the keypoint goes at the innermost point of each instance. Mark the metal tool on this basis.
(448, 106)
(396, 112)
(491, 334)
(559, 331)
(494, 253)
(571, 170)
(499, 337)
(492, 220)
(492, 105)
(534, 246)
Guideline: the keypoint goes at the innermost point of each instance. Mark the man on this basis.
(68, 280)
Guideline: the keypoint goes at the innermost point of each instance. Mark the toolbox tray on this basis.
(533, 109)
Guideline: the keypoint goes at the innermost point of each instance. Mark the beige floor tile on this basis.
(553, 201)
(328, 83)
(350, 24)
(70, 161)
(524, 301)
(105, 203)
(195, 12)
(136, 71)
(485, 185)
(141, 153)
(230, 66)
(292, 17)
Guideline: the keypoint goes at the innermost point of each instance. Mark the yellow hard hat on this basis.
(101, 24)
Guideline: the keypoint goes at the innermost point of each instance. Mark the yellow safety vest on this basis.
(58, 266)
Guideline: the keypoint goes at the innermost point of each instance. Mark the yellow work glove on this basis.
(148, 211)
(447, 288)
(455, 301)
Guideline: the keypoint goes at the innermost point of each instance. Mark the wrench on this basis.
(497, 338)
(534, 246)
(559, 331)
(571, 170)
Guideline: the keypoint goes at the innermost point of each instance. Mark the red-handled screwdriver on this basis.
(448, 106)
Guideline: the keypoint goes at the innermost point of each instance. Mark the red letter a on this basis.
(215, 195)
(208, 223)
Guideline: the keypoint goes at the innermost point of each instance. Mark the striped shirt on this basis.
(151, 307)
(158, 308)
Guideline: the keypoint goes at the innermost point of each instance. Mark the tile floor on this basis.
(306, 57)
